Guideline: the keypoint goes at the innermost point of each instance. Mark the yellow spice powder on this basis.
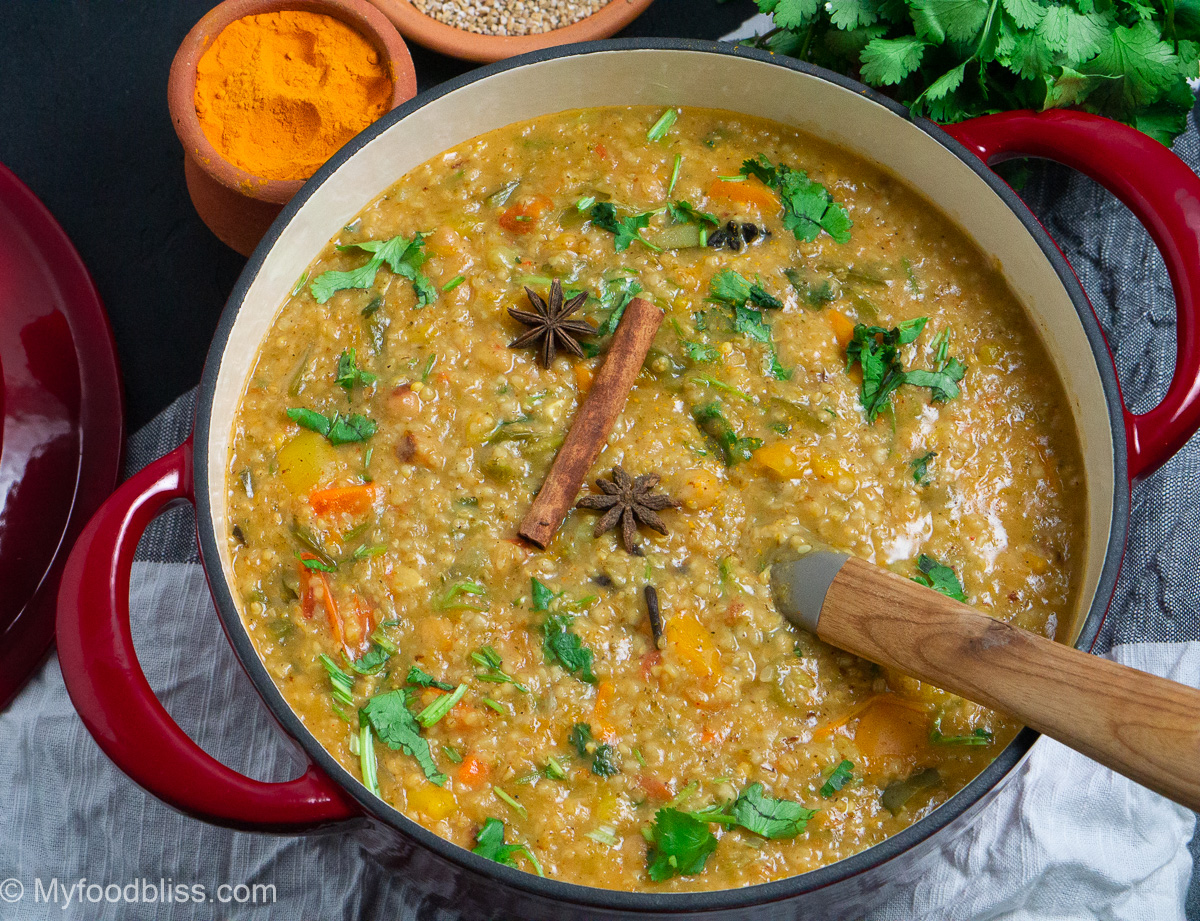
(277, 94)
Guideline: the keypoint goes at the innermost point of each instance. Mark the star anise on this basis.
(630, 502)
(550, 323)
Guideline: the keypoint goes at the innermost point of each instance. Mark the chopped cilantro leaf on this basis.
(542, 596)
(732, 288)
(604, 764)
(808, 208)
(877, 351)
(683, 212)
(350, 374)
(769, 817)
(617, 295)
(837, 779)
(372, 660)
(489, 843)
(402, 255)
(943, 383)
(679, 845)
(698, 352)
(712, 422)
(625, 230)
(920, 468)
(338, 430)
(423, 679)
(580, 736)
(562, 646)
(398, 729)
(939, 577)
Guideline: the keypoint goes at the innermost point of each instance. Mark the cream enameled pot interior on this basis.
(690, 78)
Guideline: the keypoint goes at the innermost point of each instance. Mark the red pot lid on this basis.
(62, 421)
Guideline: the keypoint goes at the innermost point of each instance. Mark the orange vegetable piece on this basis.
(343, 500)
(316, 591)
(693, 646)
(473, 772)
(523, 216)
(891, 728)
(843, 327)
(750, 192)
(655, 788)
(604, 696)
(583, 377)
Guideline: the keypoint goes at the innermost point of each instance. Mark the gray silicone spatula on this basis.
(1140, 725)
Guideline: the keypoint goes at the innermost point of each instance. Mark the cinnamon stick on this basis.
(594, 421)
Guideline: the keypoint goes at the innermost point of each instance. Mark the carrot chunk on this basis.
(473, 772)
(343, 500)
(843, 327)
(523, 216)
(750, 192)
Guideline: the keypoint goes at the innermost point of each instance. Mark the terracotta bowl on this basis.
(237, 205)
(472, 46)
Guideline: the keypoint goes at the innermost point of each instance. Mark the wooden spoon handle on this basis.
(1140, 725)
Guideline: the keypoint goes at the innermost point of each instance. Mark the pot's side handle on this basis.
(1164, 194)
(118, 706)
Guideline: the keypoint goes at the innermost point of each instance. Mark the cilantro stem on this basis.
(366, 755)
(511, 803)
(675, 174)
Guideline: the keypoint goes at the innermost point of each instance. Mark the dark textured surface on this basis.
(84, 123)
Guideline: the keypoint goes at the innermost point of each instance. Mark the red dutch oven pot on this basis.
(949, 166)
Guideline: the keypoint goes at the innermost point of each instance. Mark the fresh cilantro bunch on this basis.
(955, 59)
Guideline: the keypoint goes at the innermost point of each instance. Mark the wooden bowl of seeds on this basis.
(491, 30)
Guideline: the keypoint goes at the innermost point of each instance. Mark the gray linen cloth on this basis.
(1065, 839)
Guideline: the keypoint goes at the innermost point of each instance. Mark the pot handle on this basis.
(118, 706)
(1164, 194)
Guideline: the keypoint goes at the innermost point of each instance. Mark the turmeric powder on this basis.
(278, 93)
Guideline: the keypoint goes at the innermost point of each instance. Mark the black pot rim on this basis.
(608, 899)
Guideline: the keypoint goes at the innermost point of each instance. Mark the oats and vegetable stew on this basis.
(838, 367)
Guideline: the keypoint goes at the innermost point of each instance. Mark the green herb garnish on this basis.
(625, 230)
(977, 737)
(769, 817)
(423, 679)
(734, 448)
(660, 128)
(878, 351)
(343, 684)
(562, 646)
(399, 730)
(837, 779)
(679, 845)
(952, 60)
(489, 843)
(366, 756)
(603, 756)
(939, 577)
(350, 374)
(808, 208)
(402, 255)
(486, 657)
(440, 707)
(455, 597)
(920, 468)
(512, 803)
(337, 429)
